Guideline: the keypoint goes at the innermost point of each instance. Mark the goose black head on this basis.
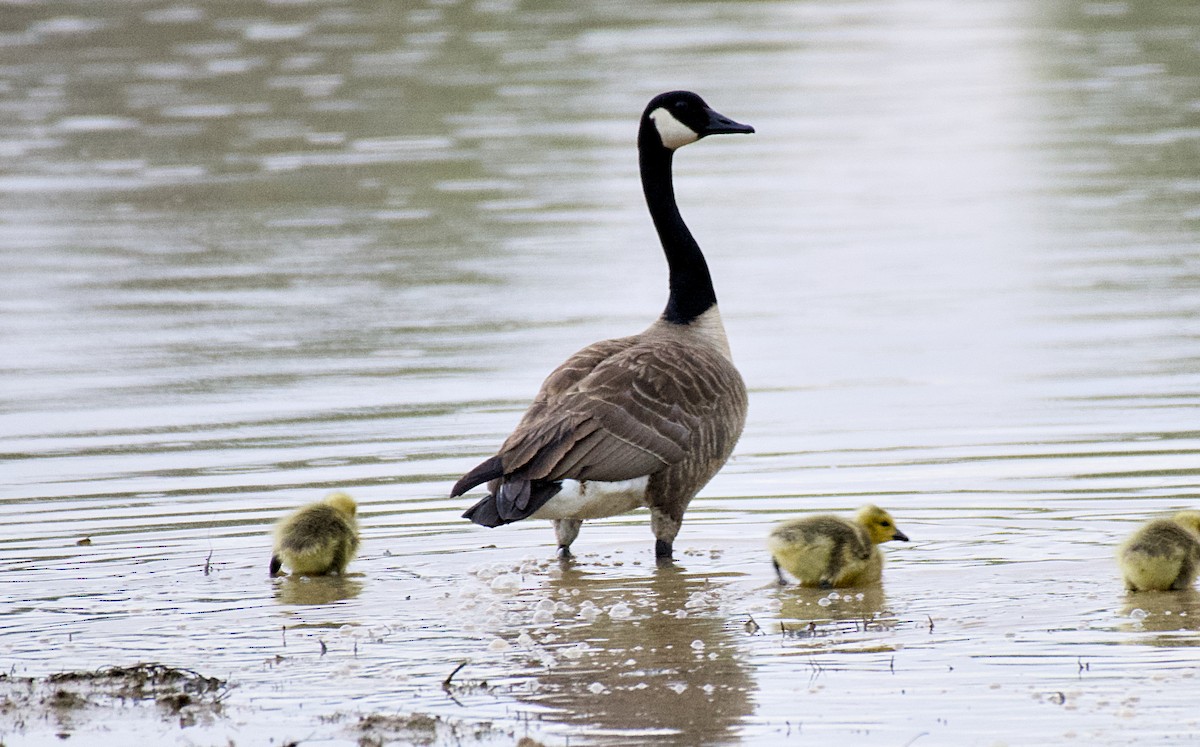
(682, 117)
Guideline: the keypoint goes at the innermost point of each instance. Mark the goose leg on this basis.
(665, 527)
(779, 572)
(565, 531)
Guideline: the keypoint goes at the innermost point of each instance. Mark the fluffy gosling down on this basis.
(1164, 555)
(318, 539)
(828, 551)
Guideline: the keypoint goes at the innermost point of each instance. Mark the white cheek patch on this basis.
(673, 133)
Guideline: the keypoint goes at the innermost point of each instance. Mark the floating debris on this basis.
(620, 610)
(589, 611)
(506, 582)
(575, 652)
(424, 729)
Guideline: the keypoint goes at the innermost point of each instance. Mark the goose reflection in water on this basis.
(660, 666)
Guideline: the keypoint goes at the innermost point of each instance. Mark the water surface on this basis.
(254, 252)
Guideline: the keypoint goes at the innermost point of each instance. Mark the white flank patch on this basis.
(594, 500)
(673, 133)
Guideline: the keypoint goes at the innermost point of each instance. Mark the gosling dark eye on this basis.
(885, 523)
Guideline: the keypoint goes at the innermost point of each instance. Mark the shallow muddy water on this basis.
(254, 252)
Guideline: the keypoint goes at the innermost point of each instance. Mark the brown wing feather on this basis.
(653, 404)
(572, 371)
(637, 411)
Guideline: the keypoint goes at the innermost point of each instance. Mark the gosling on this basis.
(828, 551)
(1164, 555)
(318, 539)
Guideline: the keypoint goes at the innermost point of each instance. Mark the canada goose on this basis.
(829, 551)
(635, 421)
(1163, 555)
(317, 539)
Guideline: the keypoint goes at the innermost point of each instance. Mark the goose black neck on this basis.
(691, 285)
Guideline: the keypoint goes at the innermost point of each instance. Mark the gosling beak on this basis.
(719, 124)
(900, 536)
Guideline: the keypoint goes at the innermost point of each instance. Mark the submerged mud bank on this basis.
(71, 700)
(124, 701)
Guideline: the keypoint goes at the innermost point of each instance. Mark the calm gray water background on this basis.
(254, 251)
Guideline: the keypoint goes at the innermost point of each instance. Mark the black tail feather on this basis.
(495, 511)
(488, 470)
(484, 513)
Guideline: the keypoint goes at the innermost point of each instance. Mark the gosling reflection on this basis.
(815, 613)
(310, 590)
(1163, 612)
(663, 659)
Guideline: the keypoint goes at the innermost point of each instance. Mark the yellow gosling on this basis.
(318, 539)
(1164, 555)
(828, 551)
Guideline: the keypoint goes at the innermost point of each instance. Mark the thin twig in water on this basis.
(446, 682)
(922, 734)
(208, 563)
(930, 630)
(324, 648)
(815, 668)
(225, 693)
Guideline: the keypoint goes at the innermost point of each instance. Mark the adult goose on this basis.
(636, 421)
